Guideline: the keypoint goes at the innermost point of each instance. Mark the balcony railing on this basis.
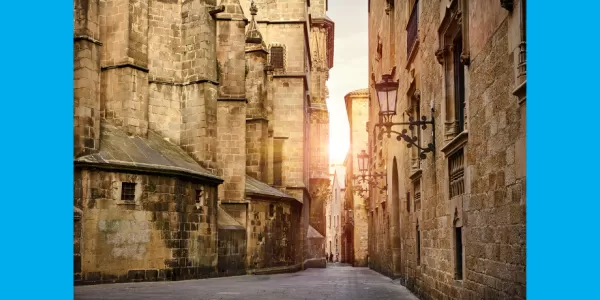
(522, 67)
(412, 28)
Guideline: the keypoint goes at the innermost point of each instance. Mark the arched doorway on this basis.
(395, 222)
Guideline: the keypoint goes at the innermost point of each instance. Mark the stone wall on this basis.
(272, 234)
(289, 116)
(489, 211)
(257, 116)
(357, 107)
(86, 85)
(232, 252)
(161, 235)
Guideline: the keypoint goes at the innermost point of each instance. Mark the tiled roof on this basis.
(313, 233)
(117, 149)
(361, 92)
(225, 221)
(256, 187)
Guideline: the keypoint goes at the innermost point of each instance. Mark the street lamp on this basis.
(363, 161)
(387, 96)
(364, 178)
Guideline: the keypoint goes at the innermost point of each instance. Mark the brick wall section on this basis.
(256, 114)
(319, 191)
(86, 85)
(492, 209)
(357, 108)
(165, 111)
(231, 43)
(162, 236)
(198, 60)
(232, 252)
(256, 84)
(292, 36)
(199, 123)
(256, 148)
(232, 153)
(287, 10)
(231, 114)
(272, 239)
(165, 41)
(124, 29)
(289, 114)
(124, 99)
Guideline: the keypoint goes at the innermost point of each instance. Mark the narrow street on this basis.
(334, 282)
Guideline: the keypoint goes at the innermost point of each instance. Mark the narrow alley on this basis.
(334, 282)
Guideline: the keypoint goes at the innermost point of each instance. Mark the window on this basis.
(418, 245)
(277, 162)
(277, 57)
(408, 201)
(128, 191)
(459, 84)
(417, 192)
(456, 172)
(453, 55)
(271, 210)
(412, 27)
(459, 253)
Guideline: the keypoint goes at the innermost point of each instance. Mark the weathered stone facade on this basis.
(334, 209)
(452, 225)
(355, 215)
(182, 126)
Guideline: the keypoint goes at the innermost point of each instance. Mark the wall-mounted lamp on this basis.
(365, 178)
(387, 96)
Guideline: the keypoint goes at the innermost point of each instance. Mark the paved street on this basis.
(335, 282)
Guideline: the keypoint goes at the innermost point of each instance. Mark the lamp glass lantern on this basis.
(363, 161)
(387, 94)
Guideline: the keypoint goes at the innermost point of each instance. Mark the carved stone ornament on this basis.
(456, 218)
(440, 53)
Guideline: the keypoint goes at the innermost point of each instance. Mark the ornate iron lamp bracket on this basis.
(370, 181)
(386, 128)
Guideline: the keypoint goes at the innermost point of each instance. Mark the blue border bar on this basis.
(37, 149)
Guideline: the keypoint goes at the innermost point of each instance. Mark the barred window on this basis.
(417, 193)
(127, 191)
(277, 57)
(456, 171)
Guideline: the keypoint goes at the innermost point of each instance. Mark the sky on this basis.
(350, 69)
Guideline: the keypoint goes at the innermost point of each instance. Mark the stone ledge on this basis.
(126, 65)
(165, 82)
(87, 38)
(315, 263)
(456, 143)
(276, 270)
(521, 92)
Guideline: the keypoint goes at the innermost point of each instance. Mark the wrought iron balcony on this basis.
(412, 28)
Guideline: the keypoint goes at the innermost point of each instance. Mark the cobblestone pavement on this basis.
(334, 282)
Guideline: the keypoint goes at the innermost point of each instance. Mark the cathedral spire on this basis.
(253, 36)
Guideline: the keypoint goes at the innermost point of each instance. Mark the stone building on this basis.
(452, 225)
(334, 210)
(192, 131)
(356, 234)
